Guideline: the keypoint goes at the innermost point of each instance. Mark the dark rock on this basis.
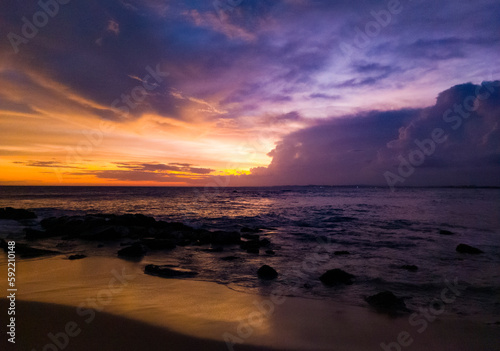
(341, 253)
(100, 245)
(253, 251)
(410, 267)
(464, 248)
(225, 238)
(16, 214)
(387, 302)
(270, 252)
(264, 242)
(335, 277)
(76, 257)
(168, 271)
(107, 233)
(133, 220)
(250, 245)
(215, 249)
(159, 244)
(230, 258)
(135, 250)
(267, 272)
(34, 234)
(25, 251)
(445, 232)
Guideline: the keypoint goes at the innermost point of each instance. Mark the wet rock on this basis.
(409, 267)
(107, 233)
(167, 271)
(16, 214)
(387, 302)
(136, 250)
(34, 234)
(264, 242)
(445, 232)
(159, 244)
(270, 252)
(253, 251)
(133, 220)
(25, 251)
(76, 257)
(267, 272)
(336, 276)
(225, 238)
(341, 253)
(464, 248)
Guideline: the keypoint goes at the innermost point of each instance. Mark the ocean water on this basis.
(382, 230)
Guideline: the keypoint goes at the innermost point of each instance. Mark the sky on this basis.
(250, 93)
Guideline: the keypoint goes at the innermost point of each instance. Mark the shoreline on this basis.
(188, 314)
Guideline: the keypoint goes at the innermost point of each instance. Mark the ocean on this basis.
(368, 232)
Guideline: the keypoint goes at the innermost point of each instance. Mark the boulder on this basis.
(16, 214)
(225, 238)
(25, 251)
(136, 250)
(159, 244)
(464, 248)
(267, 272)
(106, 233)
(34, 234)
(336, 276)
(445, 232)
(387, 302)
(167, 271)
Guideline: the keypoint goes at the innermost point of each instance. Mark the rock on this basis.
(464, 248)
(225, 238)
(445, 232)
(270, 252)
(159, 244)
(167, 271)
(133, 220)
(250, 245)
(25, 251)
(264, 242)
(16, 214)
(335, 277)
(267, 272)
(76, 257)
(341, 253)
(105, 233)
(34, 234)
(253, 251)
(135, 250)
(410, 267)
(387, 302)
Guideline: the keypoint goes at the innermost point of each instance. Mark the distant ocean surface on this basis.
(381, 230)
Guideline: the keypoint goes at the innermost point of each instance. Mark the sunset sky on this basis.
(240, 92)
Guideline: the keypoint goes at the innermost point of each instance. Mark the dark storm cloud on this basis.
(458, 137)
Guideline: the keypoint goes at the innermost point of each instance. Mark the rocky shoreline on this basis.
(139, 235)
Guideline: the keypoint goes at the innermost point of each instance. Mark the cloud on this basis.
(360, 149)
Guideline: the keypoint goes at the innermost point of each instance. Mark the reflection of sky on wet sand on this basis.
(213, 311)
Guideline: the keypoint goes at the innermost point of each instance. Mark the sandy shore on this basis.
(150, 313)
(106, 332)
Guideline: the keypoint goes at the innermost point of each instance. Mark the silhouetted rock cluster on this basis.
(335, 277)
(16, 214)
(387, 302)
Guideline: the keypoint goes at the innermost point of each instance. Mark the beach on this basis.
(151, 313)
(298, 268)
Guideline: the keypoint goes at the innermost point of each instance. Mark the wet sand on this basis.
(152, 313)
